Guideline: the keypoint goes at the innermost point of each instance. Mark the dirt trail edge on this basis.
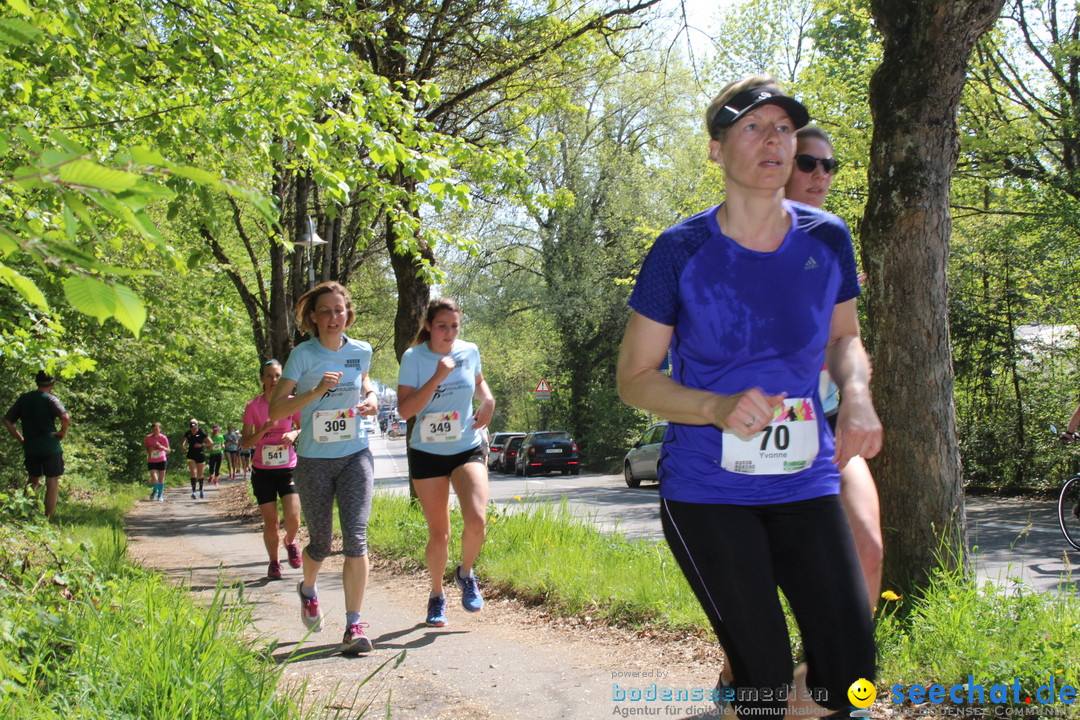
(507, 661)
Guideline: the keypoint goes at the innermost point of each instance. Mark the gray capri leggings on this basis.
(351, 480)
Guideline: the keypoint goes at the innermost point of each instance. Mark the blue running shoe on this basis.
(471, 599)
(436, 612)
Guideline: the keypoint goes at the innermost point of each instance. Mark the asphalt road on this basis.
(1011, 540)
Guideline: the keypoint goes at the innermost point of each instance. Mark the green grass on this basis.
(996, 634)
(545, 554)
(84, 634)
(955, 628)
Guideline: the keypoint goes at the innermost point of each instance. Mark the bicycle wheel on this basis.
(1069, 511)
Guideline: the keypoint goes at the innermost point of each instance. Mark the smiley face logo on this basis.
(862, 693)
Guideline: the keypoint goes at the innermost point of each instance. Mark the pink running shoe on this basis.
(294, 555)
(355, 641)
(309, 610)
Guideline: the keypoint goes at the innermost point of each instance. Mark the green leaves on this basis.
(15, 31)
(20, 6)
(122, 194)
(103, 300)
(84, 173)
(24, 286)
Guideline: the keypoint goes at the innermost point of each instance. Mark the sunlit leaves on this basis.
(103, 300)
(24, 286)
(16, 31)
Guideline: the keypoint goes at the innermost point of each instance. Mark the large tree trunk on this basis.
(413, 290)
(914, 96)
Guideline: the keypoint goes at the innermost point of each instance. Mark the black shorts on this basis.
(429, 465)
(46, 464)
(196, 455)
(271, 483)
(159, 465)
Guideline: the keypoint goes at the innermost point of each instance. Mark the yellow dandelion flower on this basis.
(518, 498)
(890, 595)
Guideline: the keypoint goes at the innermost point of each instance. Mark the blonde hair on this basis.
(434, 308)
(731, 90)
(305, 306)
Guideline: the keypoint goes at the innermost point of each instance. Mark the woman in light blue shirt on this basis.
(439, 377)
(329, 376)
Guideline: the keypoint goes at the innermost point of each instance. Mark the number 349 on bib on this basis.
(440, 427)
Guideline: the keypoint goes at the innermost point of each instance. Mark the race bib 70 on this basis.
(786, 445)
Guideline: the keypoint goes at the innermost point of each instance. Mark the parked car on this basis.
(397, 428)
(640, 463)
(546, 451)
(508, 456)
(495, 448)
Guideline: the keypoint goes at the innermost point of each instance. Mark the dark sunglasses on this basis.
(807, 163)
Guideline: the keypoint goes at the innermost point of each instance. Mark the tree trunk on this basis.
(413, 290)
(280, 320)
(914, 96)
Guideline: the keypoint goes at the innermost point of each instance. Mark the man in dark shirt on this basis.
(38, 411)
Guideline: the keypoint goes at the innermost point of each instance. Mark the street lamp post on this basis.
(309, 240)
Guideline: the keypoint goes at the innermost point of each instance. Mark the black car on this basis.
(508, 456)
(542, 452)
(495, 448)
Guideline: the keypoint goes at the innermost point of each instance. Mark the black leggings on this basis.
(735, 557)
(215, 464)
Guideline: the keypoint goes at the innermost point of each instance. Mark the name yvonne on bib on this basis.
(786, 445)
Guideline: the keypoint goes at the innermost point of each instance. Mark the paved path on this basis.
(505, 662)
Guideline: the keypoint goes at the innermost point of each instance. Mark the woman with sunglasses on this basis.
(815, 167)
(750, 298)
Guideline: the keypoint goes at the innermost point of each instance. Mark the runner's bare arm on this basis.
(858, 430)
(641, 384)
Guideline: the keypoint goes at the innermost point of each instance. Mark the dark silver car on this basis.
(542, 452)
(508, 456)
(640, 463)
(495, 448)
